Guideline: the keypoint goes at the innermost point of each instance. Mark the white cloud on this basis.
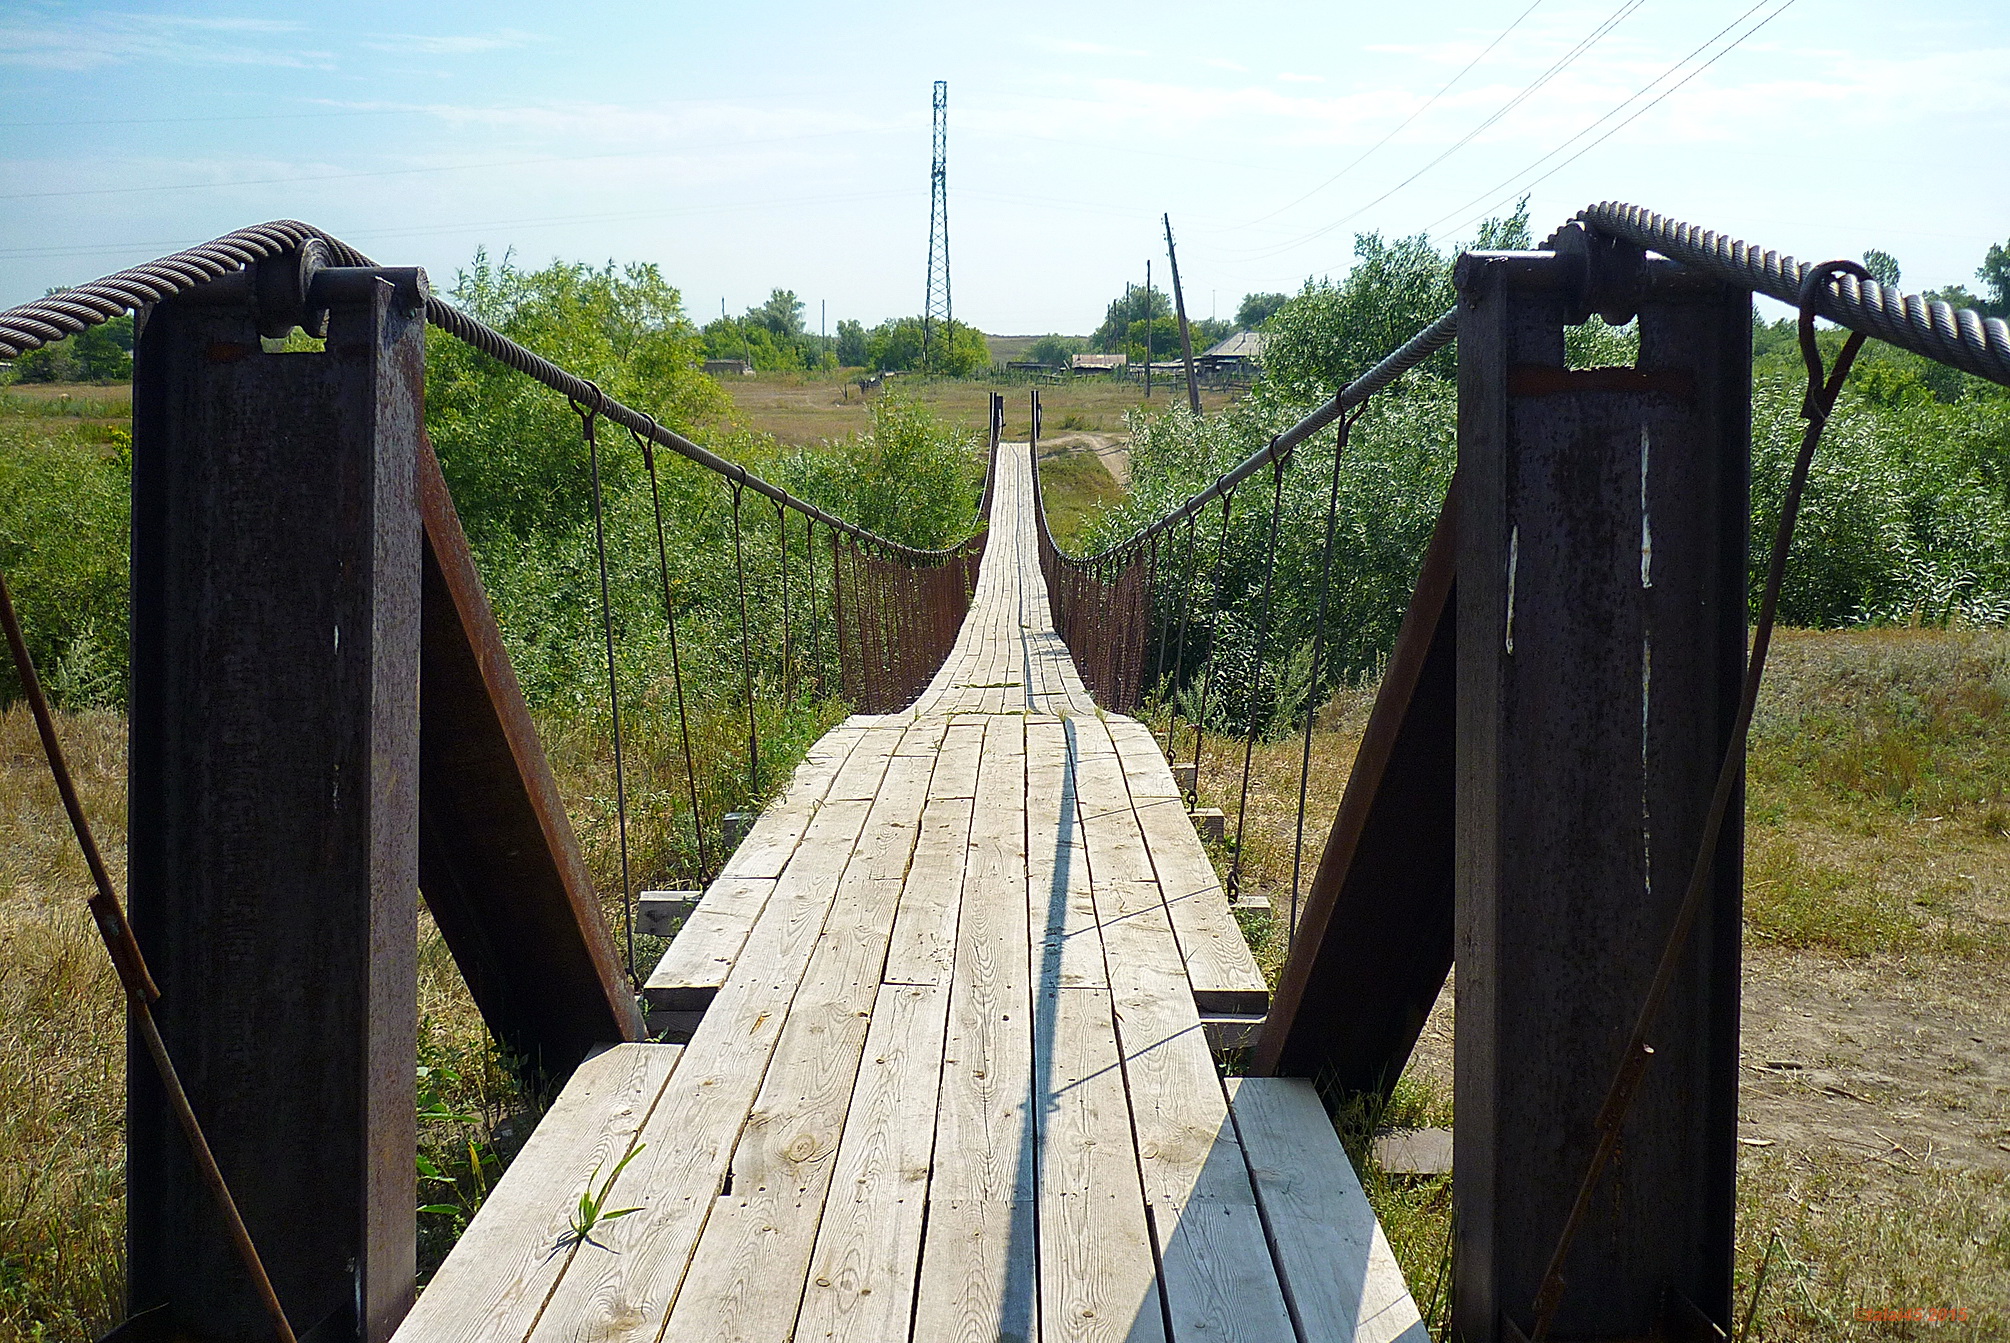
(1287, 77)
(90, 42)
(1220, 64)
(449, 44)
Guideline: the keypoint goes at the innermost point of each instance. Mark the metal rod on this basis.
(586, 419)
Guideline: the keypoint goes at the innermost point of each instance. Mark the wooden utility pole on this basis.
(1185, 337)
(1148, 329)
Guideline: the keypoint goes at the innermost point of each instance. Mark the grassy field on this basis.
(803, 408)
(1874, 1121)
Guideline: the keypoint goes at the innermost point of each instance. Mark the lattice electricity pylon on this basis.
(936, 305)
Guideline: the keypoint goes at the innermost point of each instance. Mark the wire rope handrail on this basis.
(42, 321)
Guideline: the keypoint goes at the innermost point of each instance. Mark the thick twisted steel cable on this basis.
(1959, 337)
(32, 325)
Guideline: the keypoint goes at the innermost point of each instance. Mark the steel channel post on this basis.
(1601, 545)
(274, 833)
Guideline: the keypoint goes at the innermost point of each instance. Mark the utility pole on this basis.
(1185, 337)
(1148, 328)
(936, 299)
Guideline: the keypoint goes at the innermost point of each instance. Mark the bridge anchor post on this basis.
(274, 794)
(1601, 548)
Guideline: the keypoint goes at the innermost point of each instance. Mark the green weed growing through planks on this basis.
(592, 1209)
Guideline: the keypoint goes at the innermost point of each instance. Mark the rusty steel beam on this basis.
(1375, 940)
(273, 840)
(498, 861)
(1601, 637)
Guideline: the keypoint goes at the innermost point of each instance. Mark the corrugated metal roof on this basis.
(1240, 345)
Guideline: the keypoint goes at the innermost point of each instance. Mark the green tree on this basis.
(511, 451)
(102, 353)
(1882, 265)
(910, 478)
(1256, 309)
(895, 346)
(781, 315)
(1055, 349)
(1127, 314)
(1995, 276)
(851, 344)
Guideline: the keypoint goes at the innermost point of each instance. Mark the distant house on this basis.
(723, 368)
(1240, 353)
(1097, 363)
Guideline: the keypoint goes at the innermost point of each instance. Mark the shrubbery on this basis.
(1906, 518)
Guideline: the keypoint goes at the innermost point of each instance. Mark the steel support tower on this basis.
(936, 305)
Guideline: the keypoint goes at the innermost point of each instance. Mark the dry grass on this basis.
(805, 408)
(1875, 1117)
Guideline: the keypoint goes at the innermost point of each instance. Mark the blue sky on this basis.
(745, 147)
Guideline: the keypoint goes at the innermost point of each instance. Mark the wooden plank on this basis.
(779, 828)
(1066, 947)
(1145, 767)
(621, 1287)
(1375, 935)
(701, 956)
(1218, 959)
(1218, 1275)
(1098, 1280)
(746, 1275)
(868, 1250)
(1342, 1278)
(923, 950)
(499, 864)
(924, 931)
(977, 1269)
(481, 1287)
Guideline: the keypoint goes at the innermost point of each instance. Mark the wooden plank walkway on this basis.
(946, 1076)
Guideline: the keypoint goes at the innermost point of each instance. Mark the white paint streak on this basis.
(1646, 530)
(1514, 557)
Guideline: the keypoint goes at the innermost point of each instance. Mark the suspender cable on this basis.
(746, 650)
(810, 584)
(1214, 646)
(676, 666)
(1256, 672)
(1318, 654)
(587, 416)
(1179, 653)
(788, 660)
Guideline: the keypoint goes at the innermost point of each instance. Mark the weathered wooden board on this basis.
(1336, 1264)
(480, 1292)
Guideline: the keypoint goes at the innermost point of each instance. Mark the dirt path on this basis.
(1114, 450)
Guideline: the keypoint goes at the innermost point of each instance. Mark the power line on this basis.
(406, 172)
(1641, 92)
(441, 229)
(1726, 50)
(1562, 63)
(1429, 103)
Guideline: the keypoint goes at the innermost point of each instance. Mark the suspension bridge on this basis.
(952, 1015)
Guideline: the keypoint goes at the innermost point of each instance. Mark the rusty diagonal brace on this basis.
(1815, 408)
